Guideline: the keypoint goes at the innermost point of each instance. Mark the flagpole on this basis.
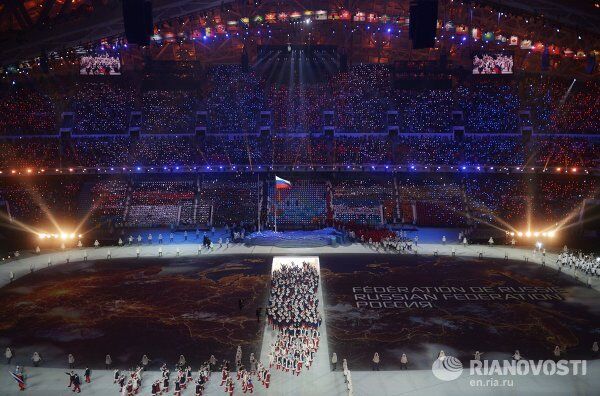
(276, 207)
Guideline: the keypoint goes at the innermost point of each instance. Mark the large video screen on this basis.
(100, 65)
(493, 63)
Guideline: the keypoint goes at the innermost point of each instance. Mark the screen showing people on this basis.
(100, 65)
(492, 63)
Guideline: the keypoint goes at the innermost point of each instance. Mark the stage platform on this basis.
(295, 239)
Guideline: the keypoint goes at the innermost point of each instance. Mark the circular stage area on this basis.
(385, 303)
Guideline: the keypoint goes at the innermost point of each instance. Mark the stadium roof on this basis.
(29, 26)
(577, 14)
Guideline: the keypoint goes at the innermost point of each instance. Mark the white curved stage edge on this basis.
(320, 380)
(25, 265)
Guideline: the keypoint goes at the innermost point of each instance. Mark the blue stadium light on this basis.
(464, 167)
(386, 167)
(112, 169)
(220, 166)
(138, 168)
(412, 167)
(208, 167)
(478, 168)
(176, 168)
(164, 168)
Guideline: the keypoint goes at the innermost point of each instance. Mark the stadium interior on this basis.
(384, 144)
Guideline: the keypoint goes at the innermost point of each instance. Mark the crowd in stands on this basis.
(505, 198)
(250, 151)
(555, 111)
(243, 200)
(363, 201)
(234, 200)
(23, 153)
(158, 203)
(559, 198)
(489, 107)
(170, 112)
(432, 201)
(359, 99)
(98, 152)
(567, 152)
(107, 200)
(359, 151)
(424, 111)
(163, 151)
(26, 111)
(34, 201)
(233, 99)
(102, 108)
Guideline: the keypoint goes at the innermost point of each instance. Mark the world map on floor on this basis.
(128, 307)
(420, 305)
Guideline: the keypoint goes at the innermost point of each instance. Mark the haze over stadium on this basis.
(299, 198)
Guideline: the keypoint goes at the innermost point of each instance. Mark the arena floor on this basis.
(128, 308)
(419, 305)
(188, 304)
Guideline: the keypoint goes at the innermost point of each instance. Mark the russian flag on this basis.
(282, 184)
(17, 378)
